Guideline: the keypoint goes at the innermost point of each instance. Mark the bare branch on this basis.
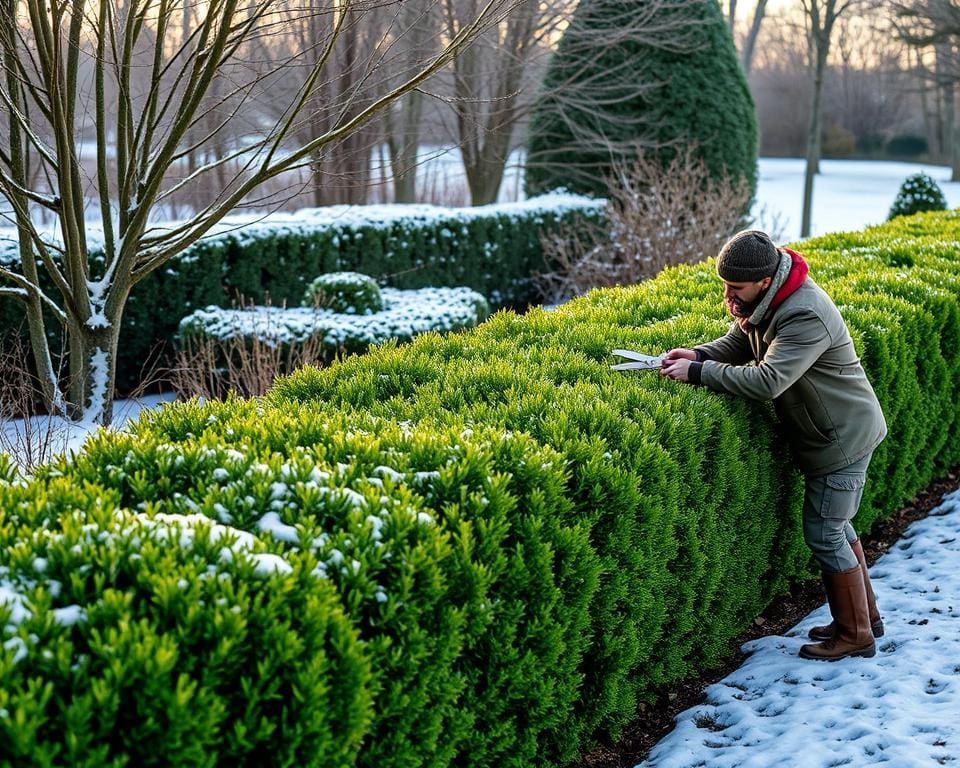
(25, 289)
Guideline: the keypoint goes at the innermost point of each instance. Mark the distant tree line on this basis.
(887, 91)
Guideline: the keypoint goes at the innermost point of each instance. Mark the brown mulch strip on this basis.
(656, 720)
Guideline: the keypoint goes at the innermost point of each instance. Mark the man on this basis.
(806, 364)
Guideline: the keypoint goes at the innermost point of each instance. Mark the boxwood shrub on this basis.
(347, 292)
(402, 316)
(479, 549)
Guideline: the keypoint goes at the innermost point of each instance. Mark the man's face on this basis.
(743, 298)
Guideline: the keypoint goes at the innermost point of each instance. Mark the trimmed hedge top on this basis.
(403, 315)
(478, 549)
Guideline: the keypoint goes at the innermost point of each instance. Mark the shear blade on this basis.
(639, 361)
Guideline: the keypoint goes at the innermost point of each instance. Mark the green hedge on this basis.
(403, 315)
(480, 549)
(493, 249)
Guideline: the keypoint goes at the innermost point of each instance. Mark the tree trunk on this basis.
(813, 142)
(93, 365)
(403, 144)
(40, 349)
(19, 154)
(954, 133)
(950, 127)
(403, 161)
(750, 41)
(945, 100)
(484, 182)
(404, 123)
(929, 117)
(485, 175)
(316, 180)
(948, 85)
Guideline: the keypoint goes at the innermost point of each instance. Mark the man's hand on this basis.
(676, 364)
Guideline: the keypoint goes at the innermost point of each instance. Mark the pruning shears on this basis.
(638, 361)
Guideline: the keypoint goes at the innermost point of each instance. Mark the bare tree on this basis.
(494, 85)
(821, 17)
(403, 122)
(749, 44)
(142, 149)
(683, 218)
(934, 26)
(355, 75)
(870, 93)
(731, 14)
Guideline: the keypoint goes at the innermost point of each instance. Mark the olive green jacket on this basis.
(805, 363)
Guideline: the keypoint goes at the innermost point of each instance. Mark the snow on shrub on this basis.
(348, 293)
(492, 249)
(405, 314)
(918, 193)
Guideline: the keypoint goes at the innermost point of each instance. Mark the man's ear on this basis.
(765, 283)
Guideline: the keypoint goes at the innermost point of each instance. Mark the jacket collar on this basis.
(790, 275)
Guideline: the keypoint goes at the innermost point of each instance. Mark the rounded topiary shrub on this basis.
(349, 293)
(918, 193)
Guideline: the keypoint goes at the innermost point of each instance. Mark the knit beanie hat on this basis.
(748, 257)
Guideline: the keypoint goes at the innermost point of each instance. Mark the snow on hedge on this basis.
(253, 226)
(406, 313)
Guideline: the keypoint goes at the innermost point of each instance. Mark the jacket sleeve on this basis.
(798, 343)
(732, 348)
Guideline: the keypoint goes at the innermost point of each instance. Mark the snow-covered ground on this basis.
(847, 194)
(38, 439)
(901, 708)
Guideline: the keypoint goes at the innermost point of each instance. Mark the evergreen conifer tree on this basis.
(647, 75)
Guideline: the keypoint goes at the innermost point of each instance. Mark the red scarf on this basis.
(798, 273)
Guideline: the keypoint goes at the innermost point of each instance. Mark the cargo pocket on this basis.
(842, 492)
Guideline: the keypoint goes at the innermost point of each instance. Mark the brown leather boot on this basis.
(825, 631)
(847, 596)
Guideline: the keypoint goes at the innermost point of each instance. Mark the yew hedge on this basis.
(477, 549)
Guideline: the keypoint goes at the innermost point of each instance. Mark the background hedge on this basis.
(478, 549)
(493, 249)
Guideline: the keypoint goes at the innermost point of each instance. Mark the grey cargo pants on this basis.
(829, 504)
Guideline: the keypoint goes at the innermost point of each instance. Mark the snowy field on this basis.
(901, 708)
(38, 439)
(847, 194)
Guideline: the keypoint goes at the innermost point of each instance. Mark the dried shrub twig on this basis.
(657, 217)
(246, 366)
(31, 438)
